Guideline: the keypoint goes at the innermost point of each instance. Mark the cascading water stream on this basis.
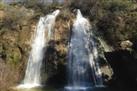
(94, 62)
(83, 67)
(32, 76)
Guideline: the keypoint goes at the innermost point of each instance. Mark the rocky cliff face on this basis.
(16, 34)
(16, 31)
(16, 28)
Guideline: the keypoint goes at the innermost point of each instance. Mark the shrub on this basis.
(118, 22)
(117, 5)
(15, 17)
(2, 6)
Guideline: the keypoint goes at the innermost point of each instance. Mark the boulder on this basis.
(127, 44)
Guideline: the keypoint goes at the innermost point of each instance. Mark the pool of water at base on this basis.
(37, 89)
(64, 89)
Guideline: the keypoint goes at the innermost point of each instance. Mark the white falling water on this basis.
(83, 67)
(94, 62)
(32, 76)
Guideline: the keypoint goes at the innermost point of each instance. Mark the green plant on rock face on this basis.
(31, 3)
(16, 58)
(119, 20)
(15, 17)
(2, 6)
(117, 5)
(130, 25)
(13, 56)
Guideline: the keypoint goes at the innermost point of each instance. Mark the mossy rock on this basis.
(13, 55)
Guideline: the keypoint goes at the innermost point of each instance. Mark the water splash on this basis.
(83, 68)
(32, 76)
(94, 62)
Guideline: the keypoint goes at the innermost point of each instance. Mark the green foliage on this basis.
(118, 21)
(31, 3)
(117, 5)
(2, 6)
(15, 17)
(14, 58)
(41, 8)
(10, 54)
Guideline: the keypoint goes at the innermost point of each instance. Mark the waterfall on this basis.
(83, 67)
(32, 76)
(94, 62)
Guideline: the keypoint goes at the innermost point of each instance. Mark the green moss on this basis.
(13, 56)
(2, 6)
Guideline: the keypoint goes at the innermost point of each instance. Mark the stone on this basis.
(126, 45)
